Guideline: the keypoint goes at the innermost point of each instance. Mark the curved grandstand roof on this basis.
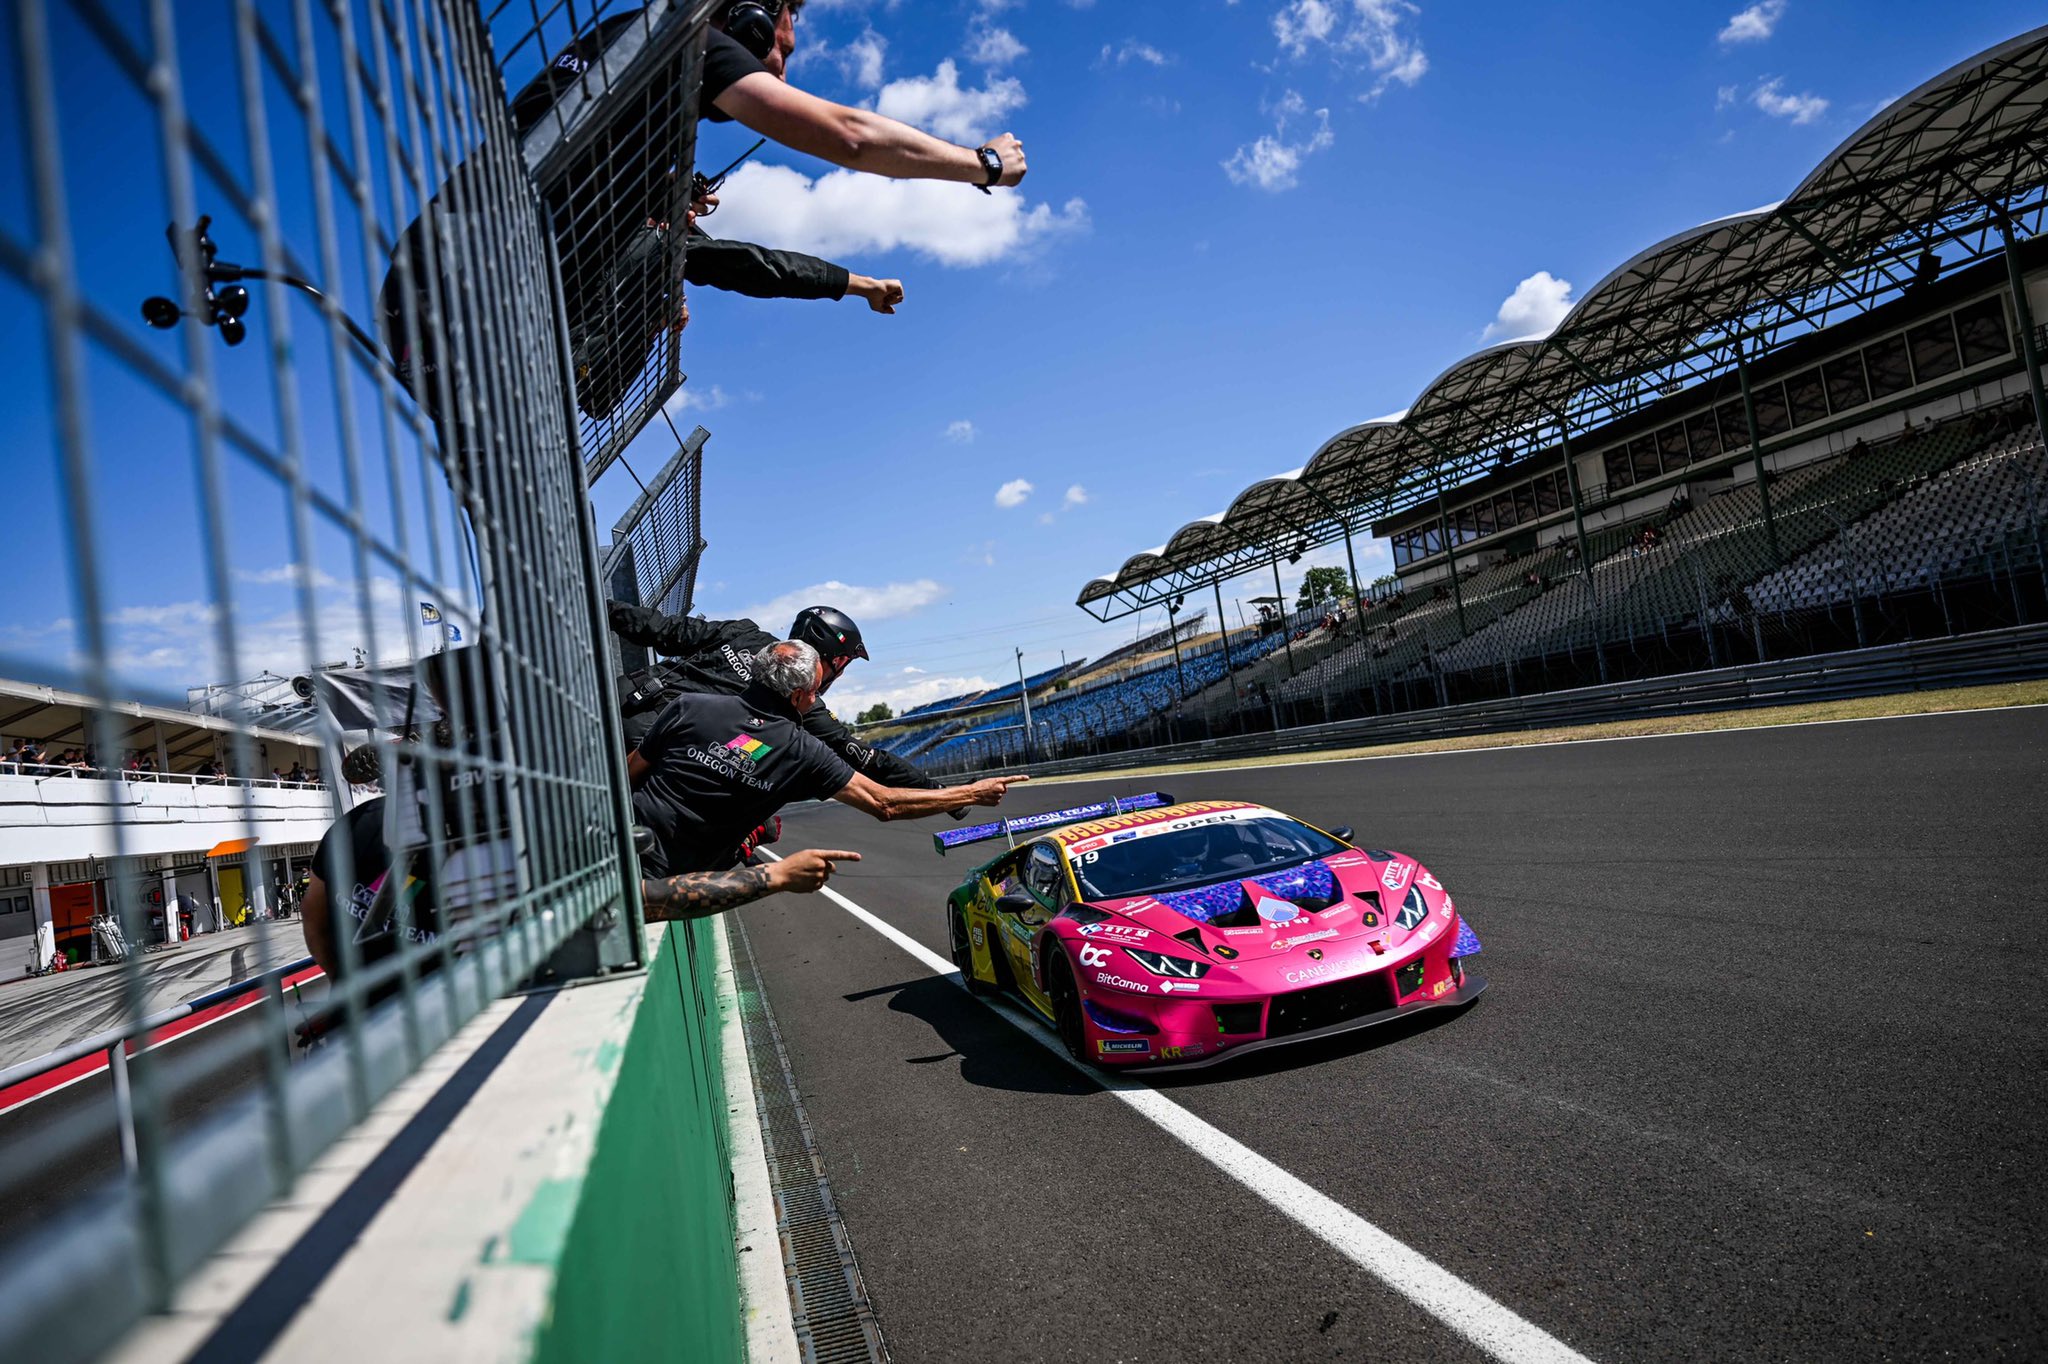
(1935, 167)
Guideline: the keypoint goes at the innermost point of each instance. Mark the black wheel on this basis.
(963, 953)
(1066, 1009)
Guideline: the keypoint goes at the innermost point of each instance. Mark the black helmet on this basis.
(831, 632)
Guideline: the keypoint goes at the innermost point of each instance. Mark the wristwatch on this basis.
(991, 165)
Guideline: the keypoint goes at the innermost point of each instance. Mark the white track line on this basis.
(1486, 1323)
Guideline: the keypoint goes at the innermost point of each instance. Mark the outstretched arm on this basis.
(858, 139)
(896, 802)
(697, 895)
(670, 635)
(760, 271)
(884, 768)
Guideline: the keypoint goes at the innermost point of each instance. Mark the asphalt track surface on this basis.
(63, 1146)
(1757, 1077)
(42, 1013)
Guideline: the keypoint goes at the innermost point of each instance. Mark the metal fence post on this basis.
(124, 1103)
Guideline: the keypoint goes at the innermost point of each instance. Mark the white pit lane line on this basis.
(1492, 1327)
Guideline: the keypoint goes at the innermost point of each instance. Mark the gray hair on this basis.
(787, 667)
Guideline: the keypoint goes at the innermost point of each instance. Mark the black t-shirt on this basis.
(721, 766)
(725, 64)
(374, 922)
(716, 656)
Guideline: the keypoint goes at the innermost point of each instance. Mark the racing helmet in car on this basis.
(833, 634)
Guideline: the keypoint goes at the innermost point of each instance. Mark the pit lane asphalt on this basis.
(1757, 1076)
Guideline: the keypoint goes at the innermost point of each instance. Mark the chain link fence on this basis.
(315, 338)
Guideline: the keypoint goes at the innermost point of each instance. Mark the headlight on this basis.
(1159, 964)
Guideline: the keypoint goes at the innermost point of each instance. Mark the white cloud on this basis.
(168, 647)
(1535, 308)
(862, 59)
(994, 47)
(1076, 496)
(1046, 518)
(1801, 108)
(285, 575)
(1725, 96)
(851, 694)
(1131, 50)
(689, 399)
(1271, 162)
(938, 104)
(1754, 24)
(1302, 23)
(960, 432)
(1376, 30)
(842, 213)
(864, 604)
(1013, 493)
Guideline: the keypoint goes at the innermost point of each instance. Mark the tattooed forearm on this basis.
(700, 893)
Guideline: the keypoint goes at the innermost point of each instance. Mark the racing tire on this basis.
(963, 953)
(1066, 1010)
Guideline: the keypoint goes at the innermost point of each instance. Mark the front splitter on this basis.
(1457, 998)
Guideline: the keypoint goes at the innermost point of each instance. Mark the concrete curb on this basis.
(764, 1281)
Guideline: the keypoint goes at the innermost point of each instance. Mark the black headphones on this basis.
(751, 23)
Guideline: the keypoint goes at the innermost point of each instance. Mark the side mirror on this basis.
(1016, 902)
(1342, 831)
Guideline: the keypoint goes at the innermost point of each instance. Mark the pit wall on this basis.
(647, 1267)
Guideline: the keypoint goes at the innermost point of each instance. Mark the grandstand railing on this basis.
(1992, 656)
(1934, 533)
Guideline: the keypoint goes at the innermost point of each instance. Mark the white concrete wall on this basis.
(64, 819)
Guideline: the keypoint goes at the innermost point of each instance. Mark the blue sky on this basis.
(1247, 226)
(1259, 223)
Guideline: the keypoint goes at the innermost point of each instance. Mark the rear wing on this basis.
(1008, 829)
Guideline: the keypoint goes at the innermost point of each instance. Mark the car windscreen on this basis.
(1217, 849)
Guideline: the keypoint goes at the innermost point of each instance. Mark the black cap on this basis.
(831, 632)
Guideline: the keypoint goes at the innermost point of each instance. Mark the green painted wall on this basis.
(647, 1267)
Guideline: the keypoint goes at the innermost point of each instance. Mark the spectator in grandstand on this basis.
(210, 771)
(714, 768)
(716, 656)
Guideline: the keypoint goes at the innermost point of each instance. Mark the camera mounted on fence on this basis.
(225, 300)
(221, 307)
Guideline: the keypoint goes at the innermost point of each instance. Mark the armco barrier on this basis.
(2010, 655)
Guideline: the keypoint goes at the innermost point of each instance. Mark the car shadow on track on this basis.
(991, 1053)
(989, 1049)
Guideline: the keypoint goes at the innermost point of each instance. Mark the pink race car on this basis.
(1148, 932)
